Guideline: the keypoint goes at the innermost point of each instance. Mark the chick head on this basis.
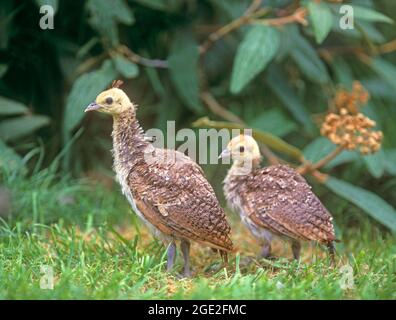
(242, 149)
(113, 101)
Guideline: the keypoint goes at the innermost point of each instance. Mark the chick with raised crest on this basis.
(165, 188)
(275, 200)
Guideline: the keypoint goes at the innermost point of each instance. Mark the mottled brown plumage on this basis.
(167, 189)
(275, 200)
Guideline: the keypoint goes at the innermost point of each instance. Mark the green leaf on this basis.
(9, 159)
(385, 70)
(183, 64)
(10, 107)
(390, 161)
(13, 129)
(163, 5)
(277, 82)
(8, 11)
(367, 14)
(342, 71)
(3, 69)
(322, 20)
(369, 202)
(125, 67)
(375, 163)
(106, 14)
(256, 50)
(84, 91)
(273, 121)
(379, 88)
(317, 149)
(307, 58)
(52, 3)
(321, 147)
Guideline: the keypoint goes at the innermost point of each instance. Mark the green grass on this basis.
(98, 250)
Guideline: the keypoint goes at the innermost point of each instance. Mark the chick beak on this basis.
(225, 154)
(92, 107)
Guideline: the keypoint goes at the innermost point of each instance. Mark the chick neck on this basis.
(245, 164)
(129, 143)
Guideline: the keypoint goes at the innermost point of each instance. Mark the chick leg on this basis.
(185, 248)
(266, 250)
(296, 248)
(171, 256)
(331, 249)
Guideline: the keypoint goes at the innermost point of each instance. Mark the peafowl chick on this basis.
(165, 188)
(275, 200)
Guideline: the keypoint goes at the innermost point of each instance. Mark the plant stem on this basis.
(310, 168)
(134, 57)
(251, 12)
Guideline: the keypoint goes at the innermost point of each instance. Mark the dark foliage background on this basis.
(47, 77)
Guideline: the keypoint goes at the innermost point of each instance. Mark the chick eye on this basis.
(109, 100)
(241, 149)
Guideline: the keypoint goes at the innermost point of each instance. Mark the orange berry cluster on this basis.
(352, 101)
(348, 127)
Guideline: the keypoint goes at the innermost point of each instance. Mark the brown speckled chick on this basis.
(165, 188)
(275, 200)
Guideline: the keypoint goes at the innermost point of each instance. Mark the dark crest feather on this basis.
(117, 84)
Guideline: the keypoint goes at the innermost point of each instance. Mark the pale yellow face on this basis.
(113, 101)
(242, 149)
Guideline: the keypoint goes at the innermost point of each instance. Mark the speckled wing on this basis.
(174, 195)
(280, 199)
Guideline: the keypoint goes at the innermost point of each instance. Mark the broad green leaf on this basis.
(183, 64)
(369, 202)
(8, 11)
(10, 107)
(317, 149)
(375, 163)
(3, 69)
(367, 14)
(158, 88)
(125, 67)
(233, 9)
(385, 70)
(84, 91)
(390, 161)
(342, 71)
(307, 58)
(321, 147)
(277, 82)
(105, 15)
(85, 48)
(15, 128)
(52, 3)
(379, 88)
(9, 159)
(273, 121)
(368, 30)
(163, 5)
(322, 19)
(256, 50)
(361, 29)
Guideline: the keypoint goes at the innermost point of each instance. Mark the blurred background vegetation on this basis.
(277, 73)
